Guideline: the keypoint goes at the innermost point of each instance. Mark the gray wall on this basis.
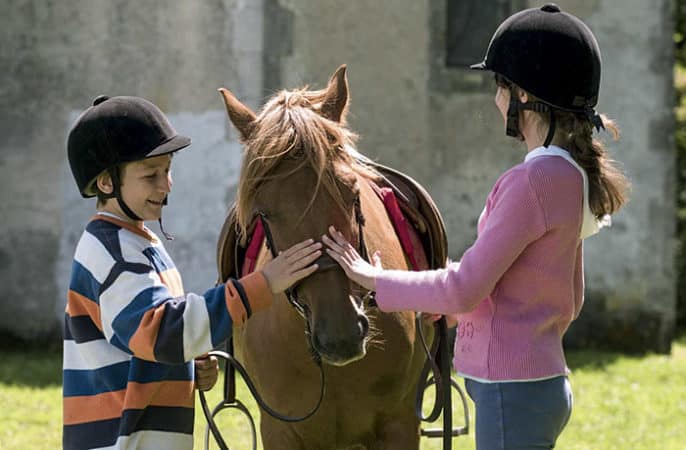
(57, 57)
(413, 112)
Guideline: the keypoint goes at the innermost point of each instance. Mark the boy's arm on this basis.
(139, 314)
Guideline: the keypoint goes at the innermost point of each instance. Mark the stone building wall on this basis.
(413, 106)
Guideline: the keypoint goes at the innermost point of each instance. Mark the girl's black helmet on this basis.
(114, 131)
(549, 53)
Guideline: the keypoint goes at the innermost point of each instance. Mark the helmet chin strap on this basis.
(116, 193)
(167, 236)
(512, 125)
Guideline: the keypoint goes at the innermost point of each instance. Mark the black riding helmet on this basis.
(551, 54)
(114, 131)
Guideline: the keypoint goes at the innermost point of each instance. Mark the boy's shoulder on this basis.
(117, 238)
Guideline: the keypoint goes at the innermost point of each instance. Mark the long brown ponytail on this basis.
(608, 187)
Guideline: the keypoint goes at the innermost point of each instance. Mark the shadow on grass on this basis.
(30, 364)
(599, 358)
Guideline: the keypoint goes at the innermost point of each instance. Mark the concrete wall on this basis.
(414, 113)
(57, 57)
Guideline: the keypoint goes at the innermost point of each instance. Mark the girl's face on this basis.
(502, 101)
(144, 186)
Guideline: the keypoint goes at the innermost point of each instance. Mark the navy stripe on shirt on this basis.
(104, 433)
(108, 234)
(83, 282)
(116, 376)
(169, 343)
(80, 329)
(157, 260)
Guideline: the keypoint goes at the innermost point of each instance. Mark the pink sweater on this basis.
(519, 286)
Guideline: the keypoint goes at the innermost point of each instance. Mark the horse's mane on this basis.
(290, 126)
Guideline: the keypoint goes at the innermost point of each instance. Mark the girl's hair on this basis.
(608, 186)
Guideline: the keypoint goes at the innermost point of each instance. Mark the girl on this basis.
(519, 286)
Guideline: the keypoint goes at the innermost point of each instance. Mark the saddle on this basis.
(415, 202)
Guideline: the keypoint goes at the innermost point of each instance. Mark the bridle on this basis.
(325, 263)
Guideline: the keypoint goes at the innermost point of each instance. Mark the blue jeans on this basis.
(520, 415)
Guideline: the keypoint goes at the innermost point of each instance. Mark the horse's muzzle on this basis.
(339, 348)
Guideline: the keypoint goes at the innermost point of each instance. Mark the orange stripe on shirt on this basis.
(234, 304)
(142, 342)
(162, 393)
(139, 230)
(89, 408)
(172, 279)
(78, 305)
(257, 290)
(109, 405)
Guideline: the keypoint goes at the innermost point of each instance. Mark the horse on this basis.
(299, 175)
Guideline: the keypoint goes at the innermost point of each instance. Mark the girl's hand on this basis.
(356, 268)
(292, 265)
(206, 372)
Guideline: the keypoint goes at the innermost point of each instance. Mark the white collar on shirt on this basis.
(590, 224)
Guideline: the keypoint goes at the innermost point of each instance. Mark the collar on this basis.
(142, 231)
(590, 224)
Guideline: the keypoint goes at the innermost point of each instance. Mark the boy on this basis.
(131, 334)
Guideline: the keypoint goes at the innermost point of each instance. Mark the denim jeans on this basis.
(520, 415)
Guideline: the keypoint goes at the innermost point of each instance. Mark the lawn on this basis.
(621, 402)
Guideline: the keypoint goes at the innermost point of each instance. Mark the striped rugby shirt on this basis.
(131, 335)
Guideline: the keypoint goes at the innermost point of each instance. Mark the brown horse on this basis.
(299, 174)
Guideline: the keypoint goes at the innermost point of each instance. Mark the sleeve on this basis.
(515, 219)
(139, 314)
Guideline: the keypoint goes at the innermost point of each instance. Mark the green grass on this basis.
(621, 402)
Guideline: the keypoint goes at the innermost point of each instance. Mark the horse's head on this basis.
(298, 174)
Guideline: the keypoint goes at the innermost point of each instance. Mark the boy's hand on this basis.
(206, 372)
(292, 265)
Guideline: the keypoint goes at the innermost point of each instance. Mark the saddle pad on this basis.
(253, 250)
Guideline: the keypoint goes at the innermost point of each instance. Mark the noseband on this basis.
(324, 262)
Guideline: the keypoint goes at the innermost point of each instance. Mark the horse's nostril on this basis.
(364, 325)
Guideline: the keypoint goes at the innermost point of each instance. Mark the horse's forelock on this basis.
(289, 126)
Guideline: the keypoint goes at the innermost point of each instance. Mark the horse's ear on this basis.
(241, 116)
(336, 96)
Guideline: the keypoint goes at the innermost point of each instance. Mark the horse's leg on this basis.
(398, 433)
(278, 435)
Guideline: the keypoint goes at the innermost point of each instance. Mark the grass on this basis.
(621, 402)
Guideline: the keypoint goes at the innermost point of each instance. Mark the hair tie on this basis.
(594, 118)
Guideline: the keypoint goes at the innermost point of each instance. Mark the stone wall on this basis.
(57, 57)
(412, 110)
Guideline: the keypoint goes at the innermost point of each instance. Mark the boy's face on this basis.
(144, 186)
